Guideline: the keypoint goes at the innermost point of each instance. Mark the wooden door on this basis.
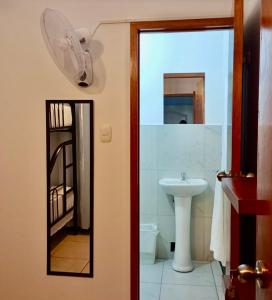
(264, 159)
(236, 124)
(251, 289)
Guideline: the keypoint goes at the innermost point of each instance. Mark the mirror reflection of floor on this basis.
(70, 253)
(160, 282)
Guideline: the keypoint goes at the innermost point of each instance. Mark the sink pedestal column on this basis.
(182, 258)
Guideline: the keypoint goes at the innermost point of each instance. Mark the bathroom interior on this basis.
(185, 139)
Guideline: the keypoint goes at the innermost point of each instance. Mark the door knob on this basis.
(246, 272)
(230, 174)
(224, 174)
(261, 273)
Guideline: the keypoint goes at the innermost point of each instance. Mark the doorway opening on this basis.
(153, 114)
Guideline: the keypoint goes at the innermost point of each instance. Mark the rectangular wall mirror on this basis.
(69, 131)
(184, 98)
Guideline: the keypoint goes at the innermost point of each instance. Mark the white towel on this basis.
(220, 232)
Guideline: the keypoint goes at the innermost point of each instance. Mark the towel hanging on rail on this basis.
(220, 231)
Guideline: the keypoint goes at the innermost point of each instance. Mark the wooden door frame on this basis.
(184, 75)
(237, 98)
(169, 26)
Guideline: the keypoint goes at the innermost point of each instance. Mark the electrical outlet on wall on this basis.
(106, 133)
(172, 246)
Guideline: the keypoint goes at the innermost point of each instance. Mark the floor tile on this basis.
(201, 275)
(152, 273)
(82, 238)
(218, 279)
(220, 293)
(216, 268)
(200, 266)
(150, 291)
(61, 264)
(72, 250)
(187, 292)
(86, 268)
(217, 273)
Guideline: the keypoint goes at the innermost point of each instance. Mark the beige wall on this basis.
(28, 77)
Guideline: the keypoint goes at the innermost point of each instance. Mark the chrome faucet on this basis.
(183, 176)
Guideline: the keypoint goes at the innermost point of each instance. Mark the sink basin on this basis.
(183, 188)
(183, 191)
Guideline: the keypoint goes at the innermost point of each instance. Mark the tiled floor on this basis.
(161, 282)
(71, 254)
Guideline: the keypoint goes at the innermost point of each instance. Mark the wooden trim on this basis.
(183, 25)
(199, 103)
(204, 99)
(194, 106)
(184, 75)
(237, 123)
(135, 29)
(179, 95)
(134, 164)
(237, 86)
(235, 288)
(199, 110)
(242, 193)
(234, 240)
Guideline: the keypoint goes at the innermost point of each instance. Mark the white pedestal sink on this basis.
(183, 191)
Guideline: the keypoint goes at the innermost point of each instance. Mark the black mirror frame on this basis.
(90, 102)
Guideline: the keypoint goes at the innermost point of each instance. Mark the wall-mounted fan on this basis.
(67, 46)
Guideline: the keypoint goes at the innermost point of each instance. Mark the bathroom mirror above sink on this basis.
(184, 98)
(69, 151)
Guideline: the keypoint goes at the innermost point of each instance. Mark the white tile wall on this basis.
(212, 149)
(166, 151)
(180, 149)
(148, 191)
(148, 150)
(145, 218)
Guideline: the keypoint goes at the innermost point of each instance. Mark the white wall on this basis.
(28, 77)
(183, 52)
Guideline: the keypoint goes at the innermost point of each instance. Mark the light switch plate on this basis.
(105, 133)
